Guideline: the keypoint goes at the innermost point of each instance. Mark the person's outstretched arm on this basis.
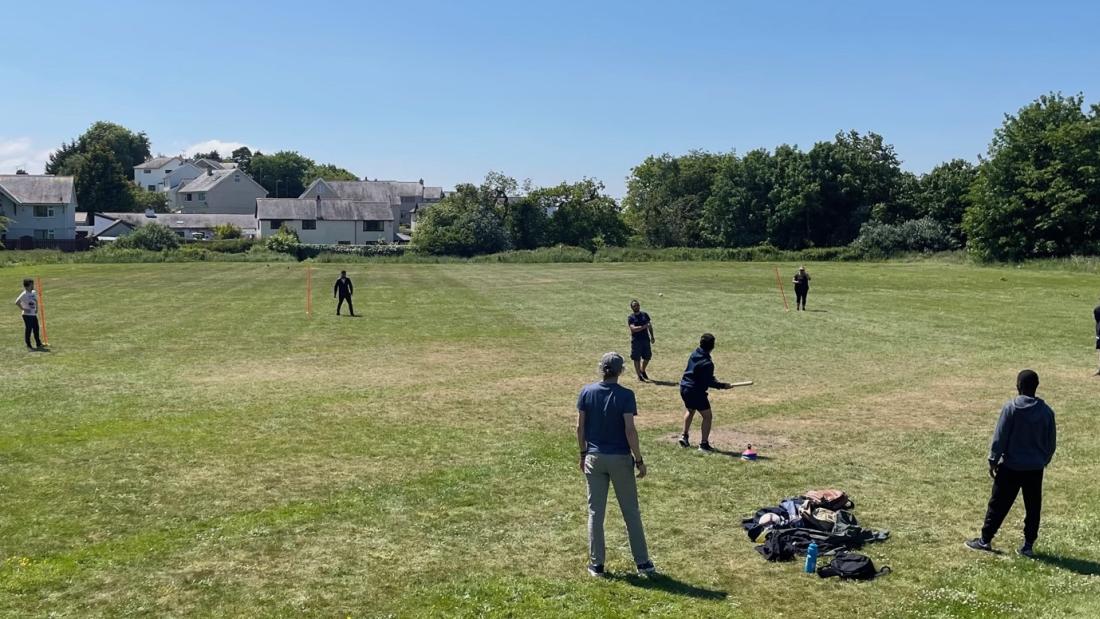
(335, 288)
(351, 289)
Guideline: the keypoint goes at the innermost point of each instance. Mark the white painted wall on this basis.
(235, 195)
(25, 223)
(146, 178)
(333, 232)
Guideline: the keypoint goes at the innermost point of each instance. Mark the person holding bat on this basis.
(698, 378)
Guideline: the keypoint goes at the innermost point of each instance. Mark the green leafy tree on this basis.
(101, 184)
(227, 231)
(328, 172)
(4, 221)
(243, 158)
(736, 213)
(465, 223)
(212, 155)
(129, 149)
(944, 194)
(282, 174)
(151, 237)
(144, 200)
(526, 223)
(1037, 193)
(582, 215)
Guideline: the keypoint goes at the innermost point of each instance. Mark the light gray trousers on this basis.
(603, 471)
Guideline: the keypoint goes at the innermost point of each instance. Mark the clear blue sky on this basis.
(547, 90)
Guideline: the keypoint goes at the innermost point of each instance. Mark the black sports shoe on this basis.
(596, 571)
(684, 442)
(645, 375)
(705, 447)
(647, 569)
(1026, 551)
(641, 377)
(979, 544)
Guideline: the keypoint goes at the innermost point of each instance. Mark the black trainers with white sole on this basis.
(979, 544)
(596, 571)
(705, 447)
(647, 569)
(1026, 551)
(684, 442)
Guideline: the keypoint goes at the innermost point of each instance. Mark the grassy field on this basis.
(195, 446)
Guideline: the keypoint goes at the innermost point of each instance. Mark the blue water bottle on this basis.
(811, 558)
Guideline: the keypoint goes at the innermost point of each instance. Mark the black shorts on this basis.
(695, 400)
(640, 349)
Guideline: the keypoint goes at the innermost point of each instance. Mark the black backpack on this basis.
(852, 566)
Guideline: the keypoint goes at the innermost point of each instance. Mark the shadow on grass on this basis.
(817, 311)
(1083, 567)
(663, 383)
(668, 584)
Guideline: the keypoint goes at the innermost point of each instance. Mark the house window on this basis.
(43, 211)
(146, 171)
(309, 224)
(276, 224)
(152, 187)
(373, 226)
(202, 196)
(167, 171)
(43, 235)
(187, 197)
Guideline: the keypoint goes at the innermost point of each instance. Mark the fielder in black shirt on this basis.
(343, 289)
(801, 288)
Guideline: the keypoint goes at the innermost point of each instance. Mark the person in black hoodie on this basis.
(1023, 444)
(698, 377)
(1096, 316)
(343, 288)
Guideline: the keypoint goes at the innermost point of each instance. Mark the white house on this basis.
(327, 221)
(150, 174)
(41, 209)
(404, 197)
(210, 164)
(219, 191)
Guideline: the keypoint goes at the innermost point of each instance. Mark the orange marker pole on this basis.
(779, 283)
(42, 308)
(309, 291)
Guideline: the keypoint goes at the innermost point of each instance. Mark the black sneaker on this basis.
(645, 375)
(1026, 551)
(979, 544)
(684, 442)
(705, 447)
(596, 571)
(647, 569)
(641, 377)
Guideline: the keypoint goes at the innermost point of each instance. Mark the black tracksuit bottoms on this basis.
(340, 303)
(30, 325)
(1005, 488)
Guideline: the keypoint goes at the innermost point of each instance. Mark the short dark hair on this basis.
(706, 342)
(1027, 382)
(27, 282)
(634, 301)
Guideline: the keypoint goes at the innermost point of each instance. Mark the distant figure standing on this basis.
(1023, 444)
(28, 302)
(343, 289)
(698, 377)
(641, 339)
(801, 288)
(1096, 316)
(610, 452)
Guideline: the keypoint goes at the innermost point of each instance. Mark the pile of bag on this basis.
(823, 517)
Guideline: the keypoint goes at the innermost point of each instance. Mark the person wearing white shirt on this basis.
(28, 302)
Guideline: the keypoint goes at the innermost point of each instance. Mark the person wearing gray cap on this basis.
(610, 452)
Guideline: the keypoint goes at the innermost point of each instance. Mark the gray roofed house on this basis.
(328, 221)
(219, 191)
(41, 209)
(190, 226)
(156, 163)
(403, 196)
(433, 194)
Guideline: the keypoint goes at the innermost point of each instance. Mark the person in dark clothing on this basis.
(1023, 444)
(344, 289)
(801, 288)
(1096, 316)
(698, 377)
(27, 301)
(641, 339)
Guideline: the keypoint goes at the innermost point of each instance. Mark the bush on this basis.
(561, 253)
(228, 246)
(878, 240)
(150, 237)
(285, 241)
(227, 231)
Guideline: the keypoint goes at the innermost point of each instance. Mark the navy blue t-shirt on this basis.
(604, 405)
(639, 319)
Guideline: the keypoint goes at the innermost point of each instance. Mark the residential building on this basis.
(219, 191)
(210, 164)
(150, 174)
(404, 197)
(327, 221)
(41, 209)
(189, 226)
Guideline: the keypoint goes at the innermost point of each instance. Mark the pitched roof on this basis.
(206, 182)
(433, 193)
(364, 191)
(38, 188)
(184, 220)
(332, 210)
(155, 163)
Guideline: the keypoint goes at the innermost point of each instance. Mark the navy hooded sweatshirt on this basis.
(1025, 436)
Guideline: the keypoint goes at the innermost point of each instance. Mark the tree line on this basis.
(1036, 193)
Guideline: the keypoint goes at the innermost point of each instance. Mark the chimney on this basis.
(318, 213)
(210, 171)
(421, 182)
